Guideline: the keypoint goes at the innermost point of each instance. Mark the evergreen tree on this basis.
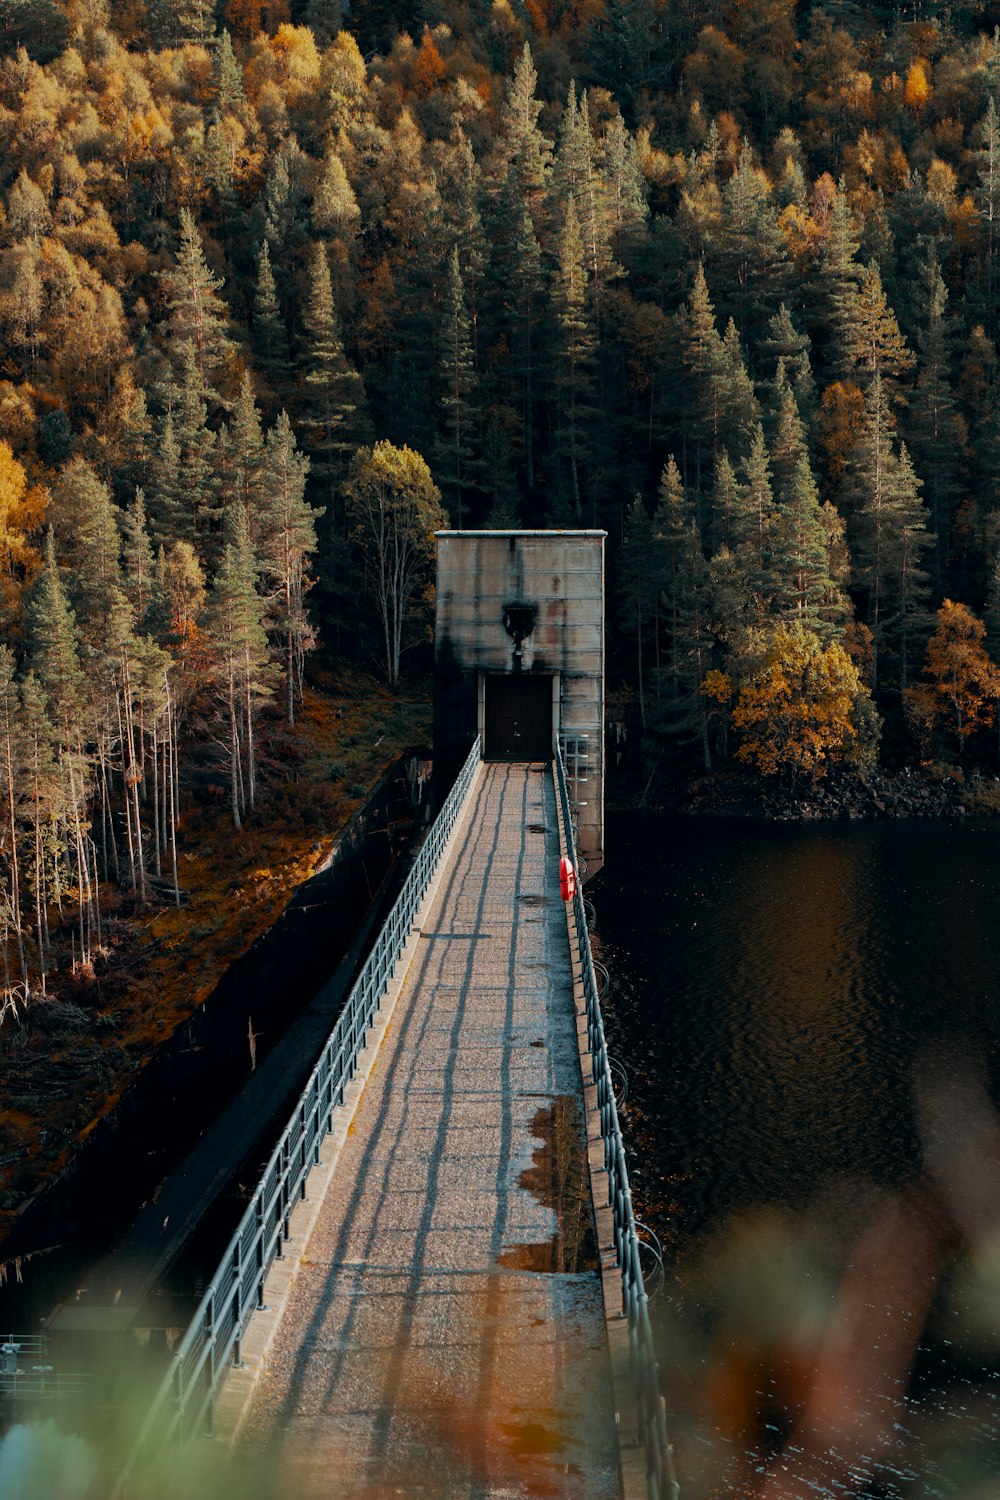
(872, 344)
(138, 564)
(704, 360)
(333, 390)
(240, 660)
(936, 430)
(11, 791)
(270, 335)
(806, 594)
(735, 400)
(457, 379)
(53, 648)
(988, 198)
(228, 74)
(750, 250)
(169, 507)
(575, 360)
(289, 540)
(786, 343)
(889, 530)
(240, 478)
(524, 153)
(628, 203)
(199, 319)
(837, 277)
(641, 575)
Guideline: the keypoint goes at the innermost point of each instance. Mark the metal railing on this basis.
(660, 1477)
(182, 1406)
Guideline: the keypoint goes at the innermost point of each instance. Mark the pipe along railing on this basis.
(182, 1406)
(661, 1480)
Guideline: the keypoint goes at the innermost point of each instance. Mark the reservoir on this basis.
(809, 1017)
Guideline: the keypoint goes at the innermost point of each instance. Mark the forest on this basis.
(286, 286)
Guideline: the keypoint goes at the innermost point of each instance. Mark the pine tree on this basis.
(575, 359)
(936, 430)
(270, 335)
(628, 202)
(889, 536)
(53, 648)
(523, 151)
(735, 400)
(138, 564)
(457, 464)
(674, 523)
(786, 343)
(168, 502)
(838, 275)
(988, 197)
(789, 443)
(228, 74)
(89, 542)
(750, 249)
(198, 316)
(642, 570)
(333, 389)
(289, 540)
(240, 660)
(240, 467)
(523, 312)
(704, 360)
(11, 794)
(806, 594)
(871, 342)
(195, 476)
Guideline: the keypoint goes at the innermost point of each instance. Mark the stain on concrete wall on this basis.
(523, 602)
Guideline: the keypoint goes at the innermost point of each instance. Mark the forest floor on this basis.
(68, 1059)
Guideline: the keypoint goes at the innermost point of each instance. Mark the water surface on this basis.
(782, 997)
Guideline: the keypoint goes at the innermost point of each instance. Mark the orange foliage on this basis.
(429, 68)
(963, 684)
(842, 411)
(22, 511)
(918, 85)
(800, 230)
(244, 17)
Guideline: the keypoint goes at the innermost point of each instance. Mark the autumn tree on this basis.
(394, 508)
(803, 708)
(962, 684)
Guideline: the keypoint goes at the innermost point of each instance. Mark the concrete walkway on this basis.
(445, 1335)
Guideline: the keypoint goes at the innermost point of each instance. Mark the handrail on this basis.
(182, 1406)
(661, 1481)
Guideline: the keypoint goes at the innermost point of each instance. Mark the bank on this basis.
(71, 1074)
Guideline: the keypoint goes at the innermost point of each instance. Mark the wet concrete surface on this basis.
(445, 1335)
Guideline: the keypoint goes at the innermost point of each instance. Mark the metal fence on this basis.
(182, 1407)
(660, 1477)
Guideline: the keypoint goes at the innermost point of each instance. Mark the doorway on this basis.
(518, 717)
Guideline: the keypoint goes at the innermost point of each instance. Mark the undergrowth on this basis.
(65, 1061)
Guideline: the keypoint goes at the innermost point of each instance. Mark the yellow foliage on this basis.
(963, 684)
(718, 686)
(918, 85)
(798, 712)
(22, 511)
(800, 230)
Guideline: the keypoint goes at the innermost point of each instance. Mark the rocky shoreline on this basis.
(902, 794)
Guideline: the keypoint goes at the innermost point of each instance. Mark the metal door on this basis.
(518, 717)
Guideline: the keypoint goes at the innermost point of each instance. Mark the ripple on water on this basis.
(773, 990)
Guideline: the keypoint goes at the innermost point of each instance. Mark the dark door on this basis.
(518, 717)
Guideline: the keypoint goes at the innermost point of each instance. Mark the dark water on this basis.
(810, 1020)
